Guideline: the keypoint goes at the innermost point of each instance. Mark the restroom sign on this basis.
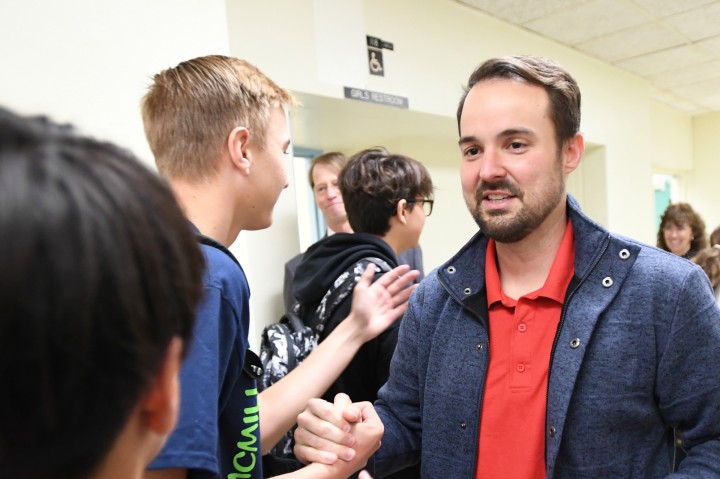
(375, 45)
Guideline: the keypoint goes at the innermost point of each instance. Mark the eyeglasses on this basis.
(427, 205)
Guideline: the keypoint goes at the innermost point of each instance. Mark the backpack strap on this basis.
(341, 289)
(206, 240)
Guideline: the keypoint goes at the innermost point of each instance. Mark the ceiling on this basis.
(674, 44)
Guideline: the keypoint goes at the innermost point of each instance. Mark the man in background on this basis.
(323, 178)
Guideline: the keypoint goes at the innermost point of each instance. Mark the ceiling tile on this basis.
(703, 22)
(633, 42)
(673, 100)
(666, 60)
(665, 8)
(710, 102)
(688, 75)
(673, 44)
(697, 89)
(711, 44)
(520, 11)
(588, 20)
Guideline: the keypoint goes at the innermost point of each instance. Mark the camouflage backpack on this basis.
(288, 342)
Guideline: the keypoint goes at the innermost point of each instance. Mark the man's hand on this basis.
(343, 430)
(376, 306)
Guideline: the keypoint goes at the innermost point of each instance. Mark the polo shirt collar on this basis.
(556, 284)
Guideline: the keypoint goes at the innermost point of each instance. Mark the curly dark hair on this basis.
(372, 183)
(681, 214)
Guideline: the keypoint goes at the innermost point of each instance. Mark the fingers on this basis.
(396, 274)
(364, 475)
(368, 414)
(341, 401)
(310, 448)
(322, 434)
(325, 420)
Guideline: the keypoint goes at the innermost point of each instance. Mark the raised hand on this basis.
(376, 306)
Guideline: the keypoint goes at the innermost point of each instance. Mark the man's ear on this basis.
(160, 404)
(572, 153)
(239, 148)
(401, 211)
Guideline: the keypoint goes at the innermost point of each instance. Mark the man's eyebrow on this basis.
(517, 131)
(502, 134)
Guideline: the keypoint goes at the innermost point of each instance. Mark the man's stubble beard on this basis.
(503, 228)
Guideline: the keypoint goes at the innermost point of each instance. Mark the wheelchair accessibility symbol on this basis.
(375, 62)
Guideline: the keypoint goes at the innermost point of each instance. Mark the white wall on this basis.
(89, 62)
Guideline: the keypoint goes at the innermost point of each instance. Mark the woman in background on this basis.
(682, 231)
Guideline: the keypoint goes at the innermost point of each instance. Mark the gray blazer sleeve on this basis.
(414, 258)
(290, 267)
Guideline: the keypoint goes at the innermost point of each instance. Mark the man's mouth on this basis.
(496, 197)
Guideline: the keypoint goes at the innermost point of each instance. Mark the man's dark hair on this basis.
(100, 271)
(374, 181)
(561, 87)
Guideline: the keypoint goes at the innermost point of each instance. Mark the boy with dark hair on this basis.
(323, 179)
(387, 198)
(99, 282)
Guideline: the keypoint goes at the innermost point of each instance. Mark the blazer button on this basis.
(463, 425)
(553, 431)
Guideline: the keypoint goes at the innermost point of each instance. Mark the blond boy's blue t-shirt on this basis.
(218, 430)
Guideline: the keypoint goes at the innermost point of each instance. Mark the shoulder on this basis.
(222, 272)
(294, 262)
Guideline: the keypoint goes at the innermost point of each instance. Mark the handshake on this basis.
(338, 435)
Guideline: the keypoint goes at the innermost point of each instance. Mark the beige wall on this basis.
(703, 181)
(89, 62)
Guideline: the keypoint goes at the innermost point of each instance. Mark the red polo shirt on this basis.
(512, 423)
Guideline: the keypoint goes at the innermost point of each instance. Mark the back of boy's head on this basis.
(373, 182)
(190, 110)
(100, 271)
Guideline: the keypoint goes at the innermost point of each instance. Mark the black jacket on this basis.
(321, 265)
